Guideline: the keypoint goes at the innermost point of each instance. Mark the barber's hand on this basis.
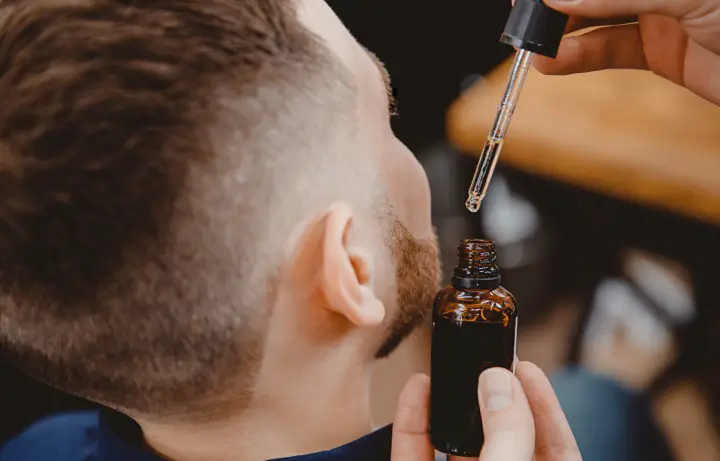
(518, 424)
(677, 39)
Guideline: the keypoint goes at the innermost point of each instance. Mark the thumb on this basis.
(507, 420)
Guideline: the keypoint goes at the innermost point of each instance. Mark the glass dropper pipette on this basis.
(496, 137)
(532, 27)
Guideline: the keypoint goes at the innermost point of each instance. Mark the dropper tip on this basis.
(473, 203)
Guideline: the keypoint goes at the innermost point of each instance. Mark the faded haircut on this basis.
(141, 146)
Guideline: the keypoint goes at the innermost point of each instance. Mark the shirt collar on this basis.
(120, 439)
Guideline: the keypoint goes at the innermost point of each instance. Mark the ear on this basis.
(346, 274)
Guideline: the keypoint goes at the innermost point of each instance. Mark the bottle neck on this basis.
(476, 268)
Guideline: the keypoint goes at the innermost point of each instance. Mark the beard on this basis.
(417, 274)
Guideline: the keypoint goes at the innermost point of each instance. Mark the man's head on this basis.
(192, 191)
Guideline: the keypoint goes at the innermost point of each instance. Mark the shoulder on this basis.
(62, 437)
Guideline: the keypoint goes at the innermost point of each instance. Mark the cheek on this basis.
(409, 190)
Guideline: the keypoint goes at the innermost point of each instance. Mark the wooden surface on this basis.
(627, 134)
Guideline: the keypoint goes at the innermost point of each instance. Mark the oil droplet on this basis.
(473, 203)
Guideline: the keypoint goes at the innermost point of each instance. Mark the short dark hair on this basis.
(106, 107)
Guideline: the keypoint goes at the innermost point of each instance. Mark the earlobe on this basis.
(346, 274)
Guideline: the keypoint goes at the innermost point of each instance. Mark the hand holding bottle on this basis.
(677, 39)
(522, 419)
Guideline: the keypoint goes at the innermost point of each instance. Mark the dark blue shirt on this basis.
(108, 436)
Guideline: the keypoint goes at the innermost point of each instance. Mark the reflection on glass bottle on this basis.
(474, 328)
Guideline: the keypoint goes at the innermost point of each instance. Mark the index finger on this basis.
(553, 438)
(579, 23)
(410, 439)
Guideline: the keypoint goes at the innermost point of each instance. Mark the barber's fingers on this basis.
(554, 441)
(506, 417)
(702, 71)
(615, 8)
(410, 439)
(617, 47)
(576, 23)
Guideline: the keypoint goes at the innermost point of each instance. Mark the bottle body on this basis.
(473, 330)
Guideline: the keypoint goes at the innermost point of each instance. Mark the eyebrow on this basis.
(383, 72)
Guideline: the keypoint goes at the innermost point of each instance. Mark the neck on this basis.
(304, 412)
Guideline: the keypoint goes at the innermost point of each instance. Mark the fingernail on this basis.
(496, 389)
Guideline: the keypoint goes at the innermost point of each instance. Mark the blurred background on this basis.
(605, 209)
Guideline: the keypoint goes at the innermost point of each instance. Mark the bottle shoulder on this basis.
(498, 305)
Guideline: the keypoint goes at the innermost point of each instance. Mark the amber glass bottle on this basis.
(474, 328)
